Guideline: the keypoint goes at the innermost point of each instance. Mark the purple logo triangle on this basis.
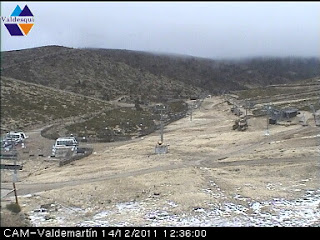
(14, 29)
(26, 12)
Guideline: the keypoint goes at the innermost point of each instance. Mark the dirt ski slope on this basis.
(211, 176)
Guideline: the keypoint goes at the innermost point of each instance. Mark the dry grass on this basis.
(12, 219)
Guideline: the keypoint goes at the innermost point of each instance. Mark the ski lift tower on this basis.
(192, 106)
(160, 147)
(268, 108)
(303, 120)
(316, 120)
(246, 107)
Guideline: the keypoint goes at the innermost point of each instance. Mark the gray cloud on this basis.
(205, 29)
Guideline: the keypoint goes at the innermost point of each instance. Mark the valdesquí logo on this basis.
(20, 22)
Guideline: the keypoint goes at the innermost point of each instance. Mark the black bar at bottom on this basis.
(142, 232)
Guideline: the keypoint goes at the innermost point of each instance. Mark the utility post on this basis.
(304, 120)
(313, 113)
(161, 125)
(268, 113)
(192, 105)
(246, 105)
(85, 133)
(160, 147)
(15, 174)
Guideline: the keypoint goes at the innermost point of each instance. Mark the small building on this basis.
(272, 121)
(276, 115)
(237, 111)
(289, 113)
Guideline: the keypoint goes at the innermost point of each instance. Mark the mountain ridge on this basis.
(110, 73)
(35, 83)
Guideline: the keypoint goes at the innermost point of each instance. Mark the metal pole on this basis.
(246, 106)
(268, 112)
(14, 177)
(15, 192)
(161, 119)
(267, 117)
(314, 114)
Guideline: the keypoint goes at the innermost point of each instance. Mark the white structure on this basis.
(16, 137)
(65, 143)
(161, 148)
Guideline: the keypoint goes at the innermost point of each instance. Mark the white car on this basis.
(65, 142)
(17, 137)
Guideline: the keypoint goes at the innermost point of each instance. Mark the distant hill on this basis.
(101, 89)
(108, 74)
(90, 73)
(219, 75)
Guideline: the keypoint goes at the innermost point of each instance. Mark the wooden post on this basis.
(14, 176)
(15, 192)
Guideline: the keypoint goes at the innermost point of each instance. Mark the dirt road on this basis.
(208, 164)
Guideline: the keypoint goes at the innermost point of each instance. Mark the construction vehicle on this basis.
(240, 124)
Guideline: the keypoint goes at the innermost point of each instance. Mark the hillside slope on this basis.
(219, 75)
(43, 84)
(88, 73)
(26, 104)
(111, 73)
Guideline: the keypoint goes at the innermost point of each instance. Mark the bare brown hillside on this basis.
(110, 73)
(89, 73)
(45, 84)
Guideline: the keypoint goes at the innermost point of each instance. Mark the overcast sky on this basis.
(204, 29)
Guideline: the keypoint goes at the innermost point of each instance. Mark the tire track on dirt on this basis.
(209, 161)
(204, 161)
(30, 188)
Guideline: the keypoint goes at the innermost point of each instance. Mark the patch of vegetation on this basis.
(24, 104)
(300, 95)
(116, 124)
(305, 105)
(302, 105)
(260, 92)
(177, 106)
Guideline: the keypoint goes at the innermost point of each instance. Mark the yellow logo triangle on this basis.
(26, 27)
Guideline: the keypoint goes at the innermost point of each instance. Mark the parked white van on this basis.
(63, 143)
(17, 137)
